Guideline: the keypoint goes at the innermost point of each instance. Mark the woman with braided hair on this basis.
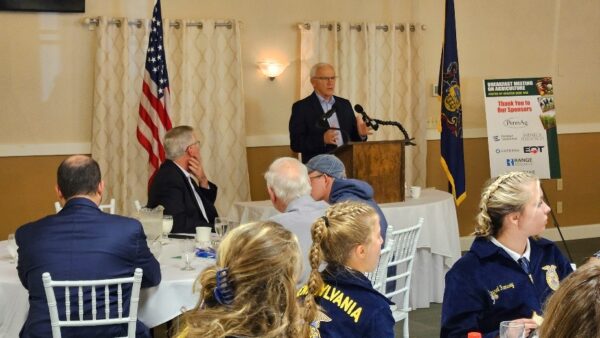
(250, 291)
(509, 271)
(340, 301)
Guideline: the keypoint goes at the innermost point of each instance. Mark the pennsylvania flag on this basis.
(450, 127)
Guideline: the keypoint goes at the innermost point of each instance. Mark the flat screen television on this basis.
(69, 6)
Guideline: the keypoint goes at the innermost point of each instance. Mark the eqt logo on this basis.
(533, 149)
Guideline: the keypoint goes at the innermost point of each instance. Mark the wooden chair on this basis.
(90, 286)
(403, 249)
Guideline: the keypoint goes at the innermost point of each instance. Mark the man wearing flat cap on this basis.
(329, 183)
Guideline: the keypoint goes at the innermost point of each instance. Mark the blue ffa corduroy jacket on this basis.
(486, 286)
(352, 308)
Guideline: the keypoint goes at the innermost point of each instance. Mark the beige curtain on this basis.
(379, 66)
(204, 64)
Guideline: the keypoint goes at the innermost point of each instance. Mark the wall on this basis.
(46, 82)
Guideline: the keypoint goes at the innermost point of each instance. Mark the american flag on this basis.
(154, 119)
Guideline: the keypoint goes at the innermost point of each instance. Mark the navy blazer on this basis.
(172, 190)
(81, 243)
(306, 136)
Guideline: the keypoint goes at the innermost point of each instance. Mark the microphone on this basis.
(322, 121)
(373, 124)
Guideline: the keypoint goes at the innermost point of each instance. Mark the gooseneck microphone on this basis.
(374, 123)
(366, 119)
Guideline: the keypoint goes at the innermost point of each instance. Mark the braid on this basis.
(344, 226)
(507, 183)
(350, 210)
(315, 281)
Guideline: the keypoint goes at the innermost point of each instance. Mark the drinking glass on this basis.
(187, 247)
(156, 249)
(12, 248)
(167, 226)
(221, 225)
(510, 329)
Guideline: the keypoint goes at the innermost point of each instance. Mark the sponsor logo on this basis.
(518, 162)
(510, 150)
(508, 137)
(532, 137)
(515, 123)
(533, 149)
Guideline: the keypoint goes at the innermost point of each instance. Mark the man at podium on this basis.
(322, 121)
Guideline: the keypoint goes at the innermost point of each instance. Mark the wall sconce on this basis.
(271, 69)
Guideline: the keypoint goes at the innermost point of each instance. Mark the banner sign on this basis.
(521, 126)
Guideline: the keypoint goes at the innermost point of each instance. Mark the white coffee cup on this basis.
(203, 234)
(415, 191)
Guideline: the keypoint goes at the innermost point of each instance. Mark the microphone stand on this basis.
(407, 140)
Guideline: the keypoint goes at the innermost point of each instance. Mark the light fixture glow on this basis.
(271, 69)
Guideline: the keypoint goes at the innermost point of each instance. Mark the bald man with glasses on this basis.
(181, 185)
(310, 133)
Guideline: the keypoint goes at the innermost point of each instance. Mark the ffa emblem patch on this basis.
(551, 276)
(494, 297)
(314, 326)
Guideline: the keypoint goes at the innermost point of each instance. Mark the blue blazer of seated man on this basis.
(81, 243)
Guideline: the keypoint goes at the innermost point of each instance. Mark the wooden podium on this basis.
(380, 163)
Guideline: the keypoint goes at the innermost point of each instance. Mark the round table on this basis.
(158, 304)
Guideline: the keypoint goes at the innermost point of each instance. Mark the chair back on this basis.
(90, 286)
(403, 254)
(110, 207)
(378, 277)
(389, 231)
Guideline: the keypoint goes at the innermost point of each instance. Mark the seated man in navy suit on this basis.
(181, 185)
(310, 132)
(81, 243)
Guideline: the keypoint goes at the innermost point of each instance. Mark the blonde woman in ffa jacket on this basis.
(509, 271)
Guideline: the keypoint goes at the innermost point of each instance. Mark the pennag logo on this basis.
(515, 123)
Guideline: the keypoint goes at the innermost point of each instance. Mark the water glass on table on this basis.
(187, 248)
(221, 226)
(156, 249)
(167, 226)
(12, 248)
(509, 329)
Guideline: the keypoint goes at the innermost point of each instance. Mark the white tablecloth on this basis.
(438, 246)
(157, 304)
